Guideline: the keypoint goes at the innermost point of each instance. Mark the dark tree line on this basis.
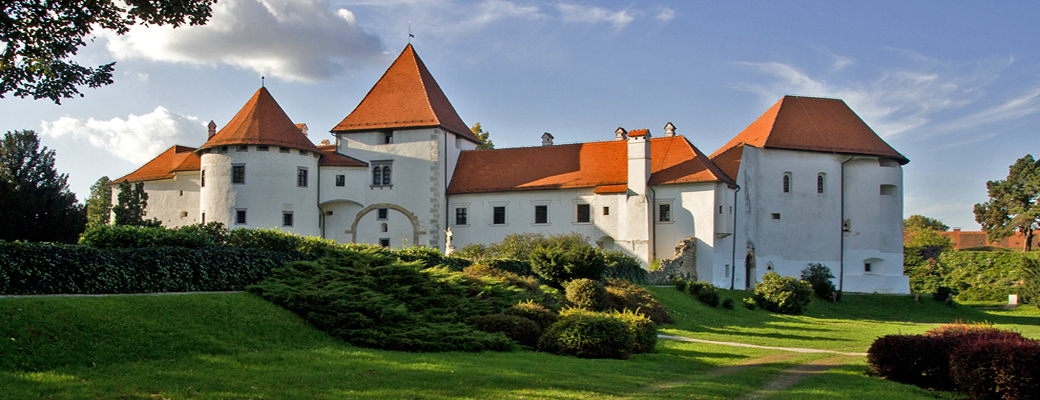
(35, 201)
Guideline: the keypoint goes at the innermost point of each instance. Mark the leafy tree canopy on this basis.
(130, 209)
(928, 237)
(1012, 204)
(36, 202)
(40, 36)
(485, 141)
(99, 205)
(918, 222)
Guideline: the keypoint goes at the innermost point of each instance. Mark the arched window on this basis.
(386, 174)
(820, 180)
(377, 176)
(787, 182)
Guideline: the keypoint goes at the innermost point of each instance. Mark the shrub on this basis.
(784, 295)
(819, 277)
(519, 329)
(749, 303)
(534, 312)
(623, 295)
(485, 271)
(681, 284)
(274, 239)
(705, 292)
(727, 303)
(588, 335)
(559, 264)
(622, 266)
(519, 267)
(1030, 290)
(943, 294)
(519, 246)
(997, 369)
(643, 330)
(125, 236)
(587, 293)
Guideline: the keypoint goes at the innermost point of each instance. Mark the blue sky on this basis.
(954, 86)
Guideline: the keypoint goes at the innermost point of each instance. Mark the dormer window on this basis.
(388, 138)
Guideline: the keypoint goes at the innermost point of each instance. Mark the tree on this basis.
(485, 141)
(1013, 203)
(99, 205)
(130, 209)
(40, 36)
(918, 222)
(928, 238)
(36, 202)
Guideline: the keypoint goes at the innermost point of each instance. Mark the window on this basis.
(304, 152)
(263, 148)
(541, 214)
(388, 138)
(203, 179)
(385, 242)
(341, 180)
(720, 209)
(242, 149)
(283, 150)
(888, 190)
(498, 215)
(381, 173)
(820, 180)
(775, 215)
(460, 216)
(182, 193)
(287, 218)
(301, 177)
(184, 214)
(240, 217)
(238, 174)
(664, 212)
(866, 267)
(382, 214)
(222, 150)
(606, 210)
(787, 182)
(385, 228)
(203, 218)
(584, 213)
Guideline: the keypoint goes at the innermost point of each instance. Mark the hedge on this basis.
(48, 268)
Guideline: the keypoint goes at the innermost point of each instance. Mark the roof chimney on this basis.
(669, 130)
(303, 128)
(326, 142)
(212, 128)
(547, 139)
(620, 133)
(638, 160)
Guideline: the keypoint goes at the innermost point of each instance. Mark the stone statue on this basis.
(449, 247)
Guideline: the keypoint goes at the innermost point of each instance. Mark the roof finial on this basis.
(410, 35)
(261, 81)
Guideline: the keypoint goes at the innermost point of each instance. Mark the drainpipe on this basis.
(653, 223)
(321, 213)
(841, 249)
(733, 255)
(447, 206)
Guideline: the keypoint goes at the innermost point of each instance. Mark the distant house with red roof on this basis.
(807, 182)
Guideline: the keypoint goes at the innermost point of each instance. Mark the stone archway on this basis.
(411, 217)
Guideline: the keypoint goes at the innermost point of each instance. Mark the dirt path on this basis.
(793, 375)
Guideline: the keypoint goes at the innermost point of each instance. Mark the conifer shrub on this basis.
(643, 330)
(588, 334)
(534, 312)
(587, 293)
(624, 295)
(727, 303)
(622, 266)
(784, 295)
(481, 270)
(519, 329)
(819, 277)
(705, 292)
(559, 264)
(372, 299)
(749, 303)
(680, 284)
(1030, 289)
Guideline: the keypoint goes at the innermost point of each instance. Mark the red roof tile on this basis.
(163, 166)
(406, 96)
(639, 132)
(261, 121)
(603, 165)
(330, 158)
(813, 124)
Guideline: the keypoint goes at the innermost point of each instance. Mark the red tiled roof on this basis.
(406, 96)
(639, 132)
(261, 121)
(330, 158)
(813, 124)
(602, 165)
(163, 166)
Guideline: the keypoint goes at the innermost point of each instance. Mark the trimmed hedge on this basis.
(1006, 369)
(587, 293)
(48, 268)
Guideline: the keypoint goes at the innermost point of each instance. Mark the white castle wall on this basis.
(174, 201)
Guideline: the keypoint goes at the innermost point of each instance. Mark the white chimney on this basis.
(303, 128)
(669, 130)
(638, 160)
(547, 139)
(620, 133)
(212, 128)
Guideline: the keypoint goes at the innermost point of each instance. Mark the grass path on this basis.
(793, 375)
(755, 346)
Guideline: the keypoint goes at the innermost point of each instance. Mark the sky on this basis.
(952, 85)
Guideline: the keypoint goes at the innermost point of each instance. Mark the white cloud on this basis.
(295, 40)
(667, 14)
(841, 62)
(1023, 105)
(494, 10)
(593, 14)
(137, 139)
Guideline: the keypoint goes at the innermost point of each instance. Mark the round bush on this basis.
(519, 329)
(623, 295)
(784, 295)
(727, 304)
(587, 293)
(705, 292)
(588, 335)
(534, 312)
(643, 329)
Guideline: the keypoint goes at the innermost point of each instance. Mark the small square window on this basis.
(242, 149)
(584, 213)
(498, 215)
(304, 152)
(388, 138)
(664, 212)
(541, 214)
(606, 210)
(866, 267)
(775, 215)
(238, 174)
(240, 217)
(461, 217)
(283, 150)
(222, 149)
(287, 218)
(341, 180)
(385, 242)
(382, 213)
(263, 148)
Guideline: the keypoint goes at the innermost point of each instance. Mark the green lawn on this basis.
(236, 346)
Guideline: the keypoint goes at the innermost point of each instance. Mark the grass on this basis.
(236, 346)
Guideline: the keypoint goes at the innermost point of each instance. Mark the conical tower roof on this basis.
(261, 122)
(406, 96)
(813, 124)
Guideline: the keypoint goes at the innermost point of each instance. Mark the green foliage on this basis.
(485, 141)
(431, 257)
(41, 36)
(130, 208)
(534, 312)
(705, 292)
(982, 275)
(918, 222)
(642, 329)
(623, 266)
(588, 334)
(519, 246)
(559, 264)
(126, 236)
(727, 303)
(523, 282)
(519, 267)
(44, 268)
(1030, 290)
(784, 295)
(99, 204)
(624, 296)
(519, 329)
(749, 303)
(372, 299)
(1012, 204)
(587, 293)
(819, 277)
(36, 202)
(928, 237)
(681, 284)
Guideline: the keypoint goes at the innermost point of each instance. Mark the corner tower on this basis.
(260, 171)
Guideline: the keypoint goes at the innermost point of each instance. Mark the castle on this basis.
(807, 182)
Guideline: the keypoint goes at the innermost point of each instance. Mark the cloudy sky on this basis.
(953, 85)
